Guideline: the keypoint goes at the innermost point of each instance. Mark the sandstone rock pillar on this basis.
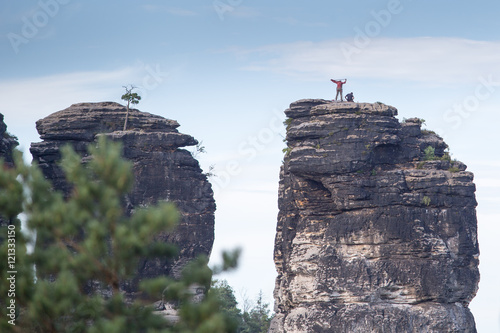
(163, 171)
(371, 236)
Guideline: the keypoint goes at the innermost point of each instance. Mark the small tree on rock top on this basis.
(130, 97)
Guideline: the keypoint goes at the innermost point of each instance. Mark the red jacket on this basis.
(339, 83)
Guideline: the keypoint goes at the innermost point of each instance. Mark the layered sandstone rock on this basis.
(163, 171)
(7, 144)
(370, 236)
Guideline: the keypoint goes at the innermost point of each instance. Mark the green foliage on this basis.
(198, 149)
(287, 151)
(257, 320)
(446, 156)
(428, 132)
(11, 238)
(426, 200)
(287, 123)
(9, 136)
(429, 154)
(130, 97)
(420, 120)
(210, 173)
(254, 319)
(87, 248)
(223, 292)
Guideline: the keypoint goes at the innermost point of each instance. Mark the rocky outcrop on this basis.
(163, 171)
(376, 232)
(7, 144)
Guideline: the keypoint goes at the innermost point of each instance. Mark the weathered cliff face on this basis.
(163, 171)
(7, 144)
(371, 238)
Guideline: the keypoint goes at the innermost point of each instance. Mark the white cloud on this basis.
(27, 100)
(487, 182)
(424, 59)
(25, 95)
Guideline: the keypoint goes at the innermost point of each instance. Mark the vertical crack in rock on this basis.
(370, 237)
(162, 170)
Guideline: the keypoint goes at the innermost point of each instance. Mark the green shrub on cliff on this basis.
(429, 153)
(86, 248)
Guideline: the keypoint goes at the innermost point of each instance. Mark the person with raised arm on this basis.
(339, 88)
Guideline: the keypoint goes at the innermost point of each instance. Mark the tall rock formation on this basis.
(7, 144)
(163, 171)
(371, 236)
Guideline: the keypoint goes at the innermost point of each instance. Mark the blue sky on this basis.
(226, 70)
